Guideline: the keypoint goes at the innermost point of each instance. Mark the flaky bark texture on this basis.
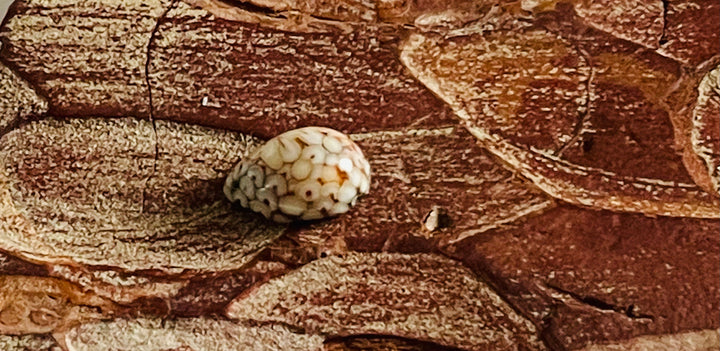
(186, 334)
(544, 175)
(421, 296)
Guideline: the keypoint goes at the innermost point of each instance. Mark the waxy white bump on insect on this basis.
(307, 173)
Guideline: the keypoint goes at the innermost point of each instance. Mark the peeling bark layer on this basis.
(87, 57)
(106, 193)
(423, 297)
(705, 130)
(264, 81)
(582, 98)
(595, 277)
(36, 305)
(185, 334)
(554, 106)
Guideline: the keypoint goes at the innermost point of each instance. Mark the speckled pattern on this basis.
(423, 296)
(124, 190)
(304, 174)
(561, 105)
(18, 102)
(542, 174)
(38, 342)
(705, 133)
(186, 334)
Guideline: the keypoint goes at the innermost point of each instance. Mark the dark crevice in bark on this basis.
(663, 40)
(365, 341)
(151, 107)
(582, 115)
(630, 310)
(252, 7)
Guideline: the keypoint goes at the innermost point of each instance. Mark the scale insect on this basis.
(303, 174)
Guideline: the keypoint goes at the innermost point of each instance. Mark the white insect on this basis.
(307, 173)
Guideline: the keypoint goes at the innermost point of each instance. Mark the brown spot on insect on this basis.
(303, 174)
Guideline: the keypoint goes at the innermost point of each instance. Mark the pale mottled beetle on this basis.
(307, 173)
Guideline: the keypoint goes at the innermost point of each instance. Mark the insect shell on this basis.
(307, 173)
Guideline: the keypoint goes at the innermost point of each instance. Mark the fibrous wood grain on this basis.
(35, 305)
(553, 107)
(193, 334)
(425, 297)
(592, 276)
(106, 193)
(262, 80)
(87, 57)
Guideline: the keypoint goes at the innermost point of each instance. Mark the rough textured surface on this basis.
(243, 80)
(193, 334)
(209, 295)
(704, 340)
(105, 193)
(343, 10)
(639, 21)
(561, 141)
(34, 305)
(18, 101)
(692, 30)
(381, 343)
(13, 265)
(117, 286)
(594, 277)
(583, 93)
(71, 52)
(36, 342)
(424, 297)
(705, 133)
(418, 170)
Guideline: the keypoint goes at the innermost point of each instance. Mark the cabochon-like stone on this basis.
(424, 297)
(311, 173)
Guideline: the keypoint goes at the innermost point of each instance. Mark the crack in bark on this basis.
(663, 40)
(582, 116)
(249, 7)
(151, 107)
(629, 311)
(410, 342)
